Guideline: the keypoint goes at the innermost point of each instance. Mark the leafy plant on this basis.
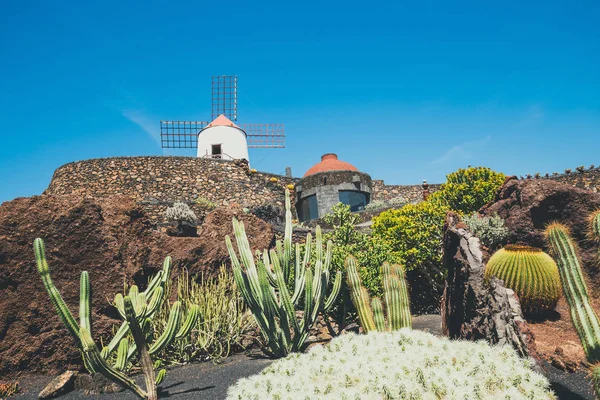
(181, 212)
(205, 203)
(531, 273)
(370, 311)
(223, 318)
(490, 230)
(264, 286)
(583, 315)
(580, 169)
(395, 202)
(137, 309)
(403, 364)
(467, 190)
(568, 171)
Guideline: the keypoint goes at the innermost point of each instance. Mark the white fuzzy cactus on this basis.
(403, 364)
(181, 212)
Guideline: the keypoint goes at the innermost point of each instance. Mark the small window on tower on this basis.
(216, 151)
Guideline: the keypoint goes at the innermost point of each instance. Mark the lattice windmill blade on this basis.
(264, 135)
(224, 96)
(180, 134)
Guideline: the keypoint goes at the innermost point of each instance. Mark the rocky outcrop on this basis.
(114, 241)
(472, 308)
(527, 206)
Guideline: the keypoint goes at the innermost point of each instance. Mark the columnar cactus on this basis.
(531, 273)
(264, 285)
(583, 315)
(595, 226)
(396, 297)
(137, 310)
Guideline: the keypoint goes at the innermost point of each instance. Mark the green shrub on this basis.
(467, 190)
(414, 236)
(205, 203)
(414, 233)
(396, 202)
(369, 252)
(403, 364)
(490, 230)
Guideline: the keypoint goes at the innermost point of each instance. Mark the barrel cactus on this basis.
(531, 273)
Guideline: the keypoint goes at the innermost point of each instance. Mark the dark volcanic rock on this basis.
(472, 308)
(114, 241)
(528, 206)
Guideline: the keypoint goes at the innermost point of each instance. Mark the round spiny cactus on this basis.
(531, 273)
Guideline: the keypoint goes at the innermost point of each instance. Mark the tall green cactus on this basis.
(583, 315)
(137, 310)
(594, 231)
(396, 297)
(265, 285)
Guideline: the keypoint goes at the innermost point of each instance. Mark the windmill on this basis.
(221, 138)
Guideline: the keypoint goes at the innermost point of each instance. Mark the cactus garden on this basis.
(307, 311)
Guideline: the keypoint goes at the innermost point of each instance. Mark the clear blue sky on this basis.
(403, 90)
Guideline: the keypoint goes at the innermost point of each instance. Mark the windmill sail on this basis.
(180, 134)
(264, 135)
(224, 96)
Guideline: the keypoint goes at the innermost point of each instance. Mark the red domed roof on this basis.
(330, 162)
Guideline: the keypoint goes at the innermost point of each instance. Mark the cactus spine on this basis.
(137, 309)
(396, 297)
(531, 273)
(584, 318)
(264, 285)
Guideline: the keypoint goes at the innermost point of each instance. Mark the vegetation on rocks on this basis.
(181, 212)
(490, 230)
(414, 232)
(402, 364)
(467, 190)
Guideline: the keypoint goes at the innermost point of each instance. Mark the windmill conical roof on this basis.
(222, 120)
(330, 162)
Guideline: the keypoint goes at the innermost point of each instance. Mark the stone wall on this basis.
(588, 179)
(412, 193)
(158, 181)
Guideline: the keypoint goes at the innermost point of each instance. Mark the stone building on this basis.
(329, 182)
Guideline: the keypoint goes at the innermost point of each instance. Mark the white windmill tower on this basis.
(221, 138)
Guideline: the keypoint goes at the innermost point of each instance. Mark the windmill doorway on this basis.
(216, 151)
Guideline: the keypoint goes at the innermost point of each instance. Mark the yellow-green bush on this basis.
(414, 236)
(467, 190)
(414, 232)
